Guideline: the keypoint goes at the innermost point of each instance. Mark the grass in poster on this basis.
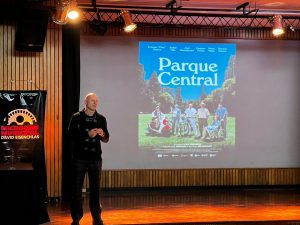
(152, 141)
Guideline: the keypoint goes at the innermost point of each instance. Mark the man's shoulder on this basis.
(76, 114)
(100, 115)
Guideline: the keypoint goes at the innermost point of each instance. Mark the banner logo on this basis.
(20, 126)
(21, 117)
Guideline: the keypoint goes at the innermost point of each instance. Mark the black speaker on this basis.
(31, 29)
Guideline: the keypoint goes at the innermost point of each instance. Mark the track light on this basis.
(98, 26)
(66, 10)
(129, 24)
(277, 25)
(73, 12)
(60, 16)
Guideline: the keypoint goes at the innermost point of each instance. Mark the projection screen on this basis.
(195, 103)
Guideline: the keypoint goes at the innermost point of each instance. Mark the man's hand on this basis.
(100, 132)
(96, 131)
(93, 132)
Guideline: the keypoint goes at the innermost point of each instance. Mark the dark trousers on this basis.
(93, 169)
(224, 126)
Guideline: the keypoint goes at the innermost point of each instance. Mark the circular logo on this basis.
(20, 117)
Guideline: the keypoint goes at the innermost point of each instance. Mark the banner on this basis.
(22, 130)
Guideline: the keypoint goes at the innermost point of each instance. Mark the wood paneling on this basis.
(200, 177)
(38, 71)
(43, 71)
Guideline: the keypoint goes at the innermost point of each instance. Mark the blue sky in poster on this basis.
(187, 66)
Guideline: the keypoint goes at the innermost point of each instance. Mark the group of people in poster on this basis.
(190, 122)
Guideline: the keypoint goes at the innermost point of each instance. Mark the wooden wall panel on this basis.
(200, 177)
(43, 71)
(38, 71)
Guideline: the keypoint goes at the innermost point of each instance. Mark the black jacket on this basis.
(84, 147)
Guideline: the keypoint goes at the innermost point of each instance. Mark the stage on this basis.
(210, 206)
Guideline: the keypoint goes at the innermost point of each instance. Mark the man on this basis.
(222, 113)
(191, 114)
(158, 114)
(176, 113)
(87, 129)
(203, 115)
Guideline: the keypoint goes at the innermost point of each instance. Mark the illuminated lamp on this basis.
(60, 16)
(277, 25)
(129, 24)
(73, 12)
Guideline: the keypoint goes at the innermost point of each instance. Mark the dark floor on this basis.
(191, 206)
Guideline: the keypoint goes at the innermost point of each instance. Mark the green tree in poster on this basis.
(154, 90)
(166, 101)
(150, 91)
(178, 99)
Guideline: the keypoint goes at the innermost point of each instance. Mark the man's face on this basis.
(92, 102)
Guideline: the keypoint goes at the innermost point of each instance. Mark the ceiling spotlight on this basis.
(98, 27)
(66, 10)
(277, 25)
(60, 16)
(129, 24)
(73, 12)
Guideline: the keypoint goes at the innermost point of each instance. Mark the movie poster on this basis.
(188, 92)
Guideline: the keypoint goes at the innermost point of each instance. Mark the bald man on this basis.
(87, 129)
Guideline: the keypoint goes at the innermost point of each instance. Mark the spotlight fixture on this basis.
(173, 6)
(245, 11)
(73, 12)
(129, 24)
(60, 16)
(277, 25)
(66, 10)
(98, 26)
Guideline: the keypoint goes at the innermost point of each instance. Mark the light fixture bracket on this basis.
(245, 11)
(172, 5)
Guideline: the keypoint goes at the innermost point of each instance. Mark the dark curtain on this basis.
(70, 97)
